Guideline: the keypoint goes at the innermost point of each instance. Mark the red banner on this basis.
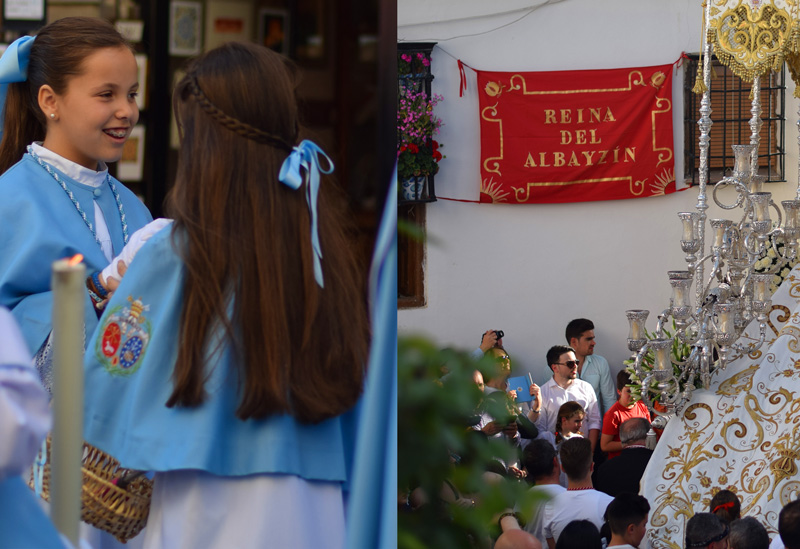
(575, 136)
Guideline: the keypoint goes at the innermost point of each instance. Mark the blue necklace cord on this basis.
(77, 204)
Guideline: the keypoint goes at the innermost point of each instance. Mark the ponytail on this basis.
(21, 125)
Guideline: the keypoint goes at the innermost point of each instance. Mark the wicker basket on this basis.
(120, 511)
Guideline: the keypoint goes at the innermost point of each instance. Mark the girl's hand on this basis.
(111, 283)
(135, 242)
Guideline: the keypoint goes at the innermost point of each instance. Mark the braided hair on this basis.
(245, 241)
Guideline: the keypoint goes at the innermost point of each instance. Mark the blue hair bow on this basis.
(13, 68)
(307, 155)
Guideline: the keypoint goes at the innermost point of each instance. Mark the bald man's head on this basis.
(517, 539)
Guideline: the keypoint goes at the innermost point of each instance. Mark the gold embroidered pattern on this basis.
(523, 193)
(742, 435)
(749, 42)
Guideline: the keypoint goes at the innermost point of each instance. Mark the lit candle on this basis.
(68, 282)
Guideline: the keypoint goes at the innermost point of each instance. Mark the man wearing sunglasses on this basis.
(564, 386)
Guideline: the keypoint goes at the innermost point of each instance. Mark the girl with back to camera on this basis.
(231, 356)
(69, 108)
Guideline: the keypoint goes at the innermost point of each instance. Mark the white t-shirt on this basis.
(574, 505)
(535, 524)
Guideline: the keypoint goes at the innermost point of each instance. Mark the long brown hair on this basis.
(566, 411)
(57, 54)
(300, 349)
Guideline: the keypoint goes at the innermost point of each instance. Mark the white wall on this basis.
(529, 269)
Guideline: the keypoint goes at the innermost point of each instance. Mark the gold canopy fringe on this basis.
(776, 37)
(700, 86)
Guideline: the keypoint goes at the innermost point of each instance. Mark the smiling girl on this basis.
(69, 109)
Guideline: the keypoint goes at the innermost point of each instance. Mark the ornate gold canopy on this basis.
(753, 37)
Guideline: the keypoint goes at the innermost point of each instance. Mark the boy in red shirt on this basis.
(623, 409)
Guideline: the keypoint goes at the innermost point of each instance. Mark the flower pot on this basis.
(411, 189)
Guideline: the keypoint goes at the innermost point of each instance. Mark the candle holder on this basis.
(662, 364)
(761, 222)
(720, 227)
(680, 282)
(742, 155)
(756, 183)
(732, 278)
(726, 332)
(636, 335)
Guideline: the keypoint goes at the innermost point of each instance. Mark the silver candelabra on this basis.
(736, 290)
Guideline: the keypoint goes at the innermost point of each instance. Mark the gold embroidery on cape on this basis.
(741, 382)
(781, 318)
(688, 471)
(752, 43)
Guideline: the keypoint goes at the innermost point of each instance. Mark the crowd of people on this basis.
(583, 456)
(227, 359)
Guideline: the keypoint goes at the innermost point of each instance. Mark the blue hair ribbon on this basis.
(13, 68)
(307, 155)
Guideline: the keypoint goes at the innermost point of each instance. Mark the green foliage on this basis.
(435, 443)
(680, 351)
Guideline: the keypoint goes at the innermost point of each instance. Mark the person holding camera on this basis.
(489, 340)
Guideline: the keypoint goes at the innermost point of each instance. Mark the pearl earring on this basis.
(53, 115)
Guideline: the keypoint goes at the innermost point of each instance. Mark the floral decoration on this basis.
(417, 152)
(413, 63)
(771, 261)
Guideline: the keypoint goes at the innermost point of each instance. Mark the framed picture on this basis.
(131, 166)
(184, 28)
(311, 42)
(132, 30)
(23, 15)
(24, 10)
(141, 99)
(228, 21)
(273, 29)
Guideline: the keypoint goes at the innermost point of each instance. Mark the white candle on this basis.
(636, 330)
(688, 225)
(760, 288)
(68, 282)
(662, 348)
(724, 322)
(761, 205)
